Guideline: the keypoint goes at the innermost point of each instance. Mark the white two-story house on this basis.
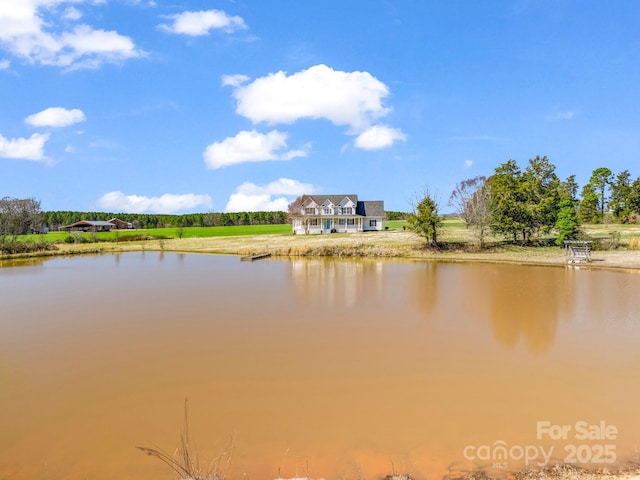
(337, 214)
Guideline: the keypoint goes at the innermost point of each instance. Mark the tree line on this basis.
(521, 204)
(20, 216)
(55, 220)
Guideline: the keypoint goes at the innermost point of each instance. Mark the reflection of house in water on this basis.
(338, 283)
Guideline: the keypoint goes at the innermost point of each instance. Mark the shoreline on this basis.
(398, 245)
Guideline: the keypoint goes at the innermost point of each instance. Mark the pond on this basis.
(313, 368)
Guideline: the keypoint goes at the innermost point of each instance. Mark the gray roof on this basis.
(371, 208)
(93, 223)
(96, 223)
(335, 199)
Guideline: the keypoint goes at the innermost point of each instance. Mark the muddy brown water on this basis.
(313, 368)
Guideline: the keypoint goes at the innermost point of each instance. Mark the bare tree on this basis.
(471, 198)
(294, 212)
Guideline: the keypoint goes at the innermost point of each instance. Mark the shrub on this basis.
(633, 218)
(26, 247)
(76, 238)
(609, 243)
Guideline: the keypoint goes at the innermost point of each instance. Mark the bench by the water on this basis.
(578, 250)
(257, 256)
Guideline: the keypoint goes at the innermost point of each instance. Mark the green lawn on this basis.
(454, 229)
(447, 222)
(394, 224)
(186, 232)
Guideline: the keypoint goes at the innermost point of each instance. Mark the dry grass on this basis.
(186, 463)
(392, 244)
(633, 244)
(561, 471)
(456, 244)
(571, 472)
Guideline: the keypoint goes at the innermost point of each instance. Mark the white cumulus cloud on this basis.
(562, 116)
(274, 196)
(167, 203)
(250, 146)
(31, 148)
(378, 137)
(234, 80)
(72, 13)
(55, 117)
(202, 22)
(353, 99)
(4, 64)
(468, 163)
(26, 34)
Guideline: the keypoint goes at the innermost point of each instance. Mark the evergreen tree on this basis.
(620, 202)
(541, 192)
(507, 206)
(567, 224)
(424, 220)
(588, 209)
(601, 181)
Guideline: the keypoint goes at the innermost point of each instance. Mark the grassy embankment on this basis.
(617, 245)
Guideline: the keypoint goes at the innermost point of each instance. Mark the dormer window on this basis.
(347, 211)
(310, 211)
(326, 210)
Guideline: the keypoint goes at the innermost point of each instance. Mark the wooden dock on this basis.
(257, 256)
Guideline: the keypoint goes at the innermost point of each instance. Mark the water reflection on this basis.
(321, 282)
(521, 305)
(22, 262)
(426, 288)
(518, 304)
(329, 368)
(527, 304)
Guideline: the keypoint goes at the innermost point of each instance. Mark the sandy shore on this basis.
(391, 244)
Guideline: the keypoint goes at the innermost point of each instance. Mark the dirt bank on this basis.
(392, 244)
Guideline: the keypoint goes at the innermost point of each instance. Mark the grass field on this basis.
(186, 232)
(453, 229)
(618, 245)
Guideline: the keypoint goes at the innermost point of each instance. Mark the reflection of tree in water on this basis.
(424, 284)
(23, 262)
(527, 302)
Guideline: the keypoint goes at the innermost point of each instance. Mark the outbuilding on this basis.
(89, 226)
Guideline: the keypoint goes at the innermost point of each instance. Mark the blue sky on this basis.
(196, 106)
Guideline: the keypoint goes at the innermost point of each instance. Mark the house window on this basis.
(326, 210)
(309, 210)
(373, 223)
(313, 222)
(351, 221)
(342, 221)
(347, 210)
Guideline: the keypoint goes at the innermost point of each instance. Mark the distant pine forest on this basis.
(56, 219)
